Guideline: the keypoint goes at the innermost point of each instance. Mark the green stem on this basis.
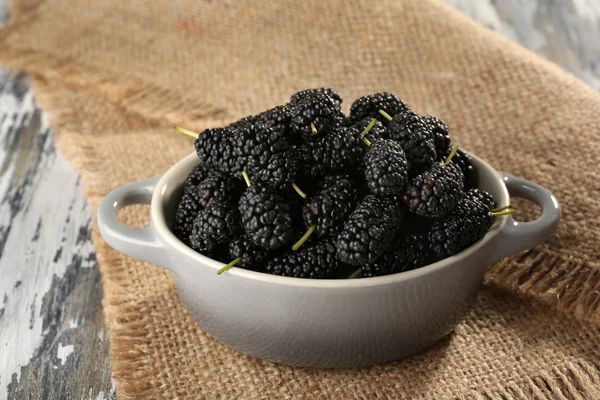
(385, 115)
(506, 212)
(186, 132)
(304, 238)
(367, 142)
(246, 178)
(355, 274)
(229, 266)
(313, 128)
(299, 191)
(452, 153)
(369, 127)
(501, 208)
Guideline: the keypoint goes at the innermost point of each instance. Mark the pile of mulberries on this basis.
(301, 190)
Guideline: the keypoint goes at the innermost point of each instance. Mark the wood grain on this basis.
(52, 334)
(565, 32)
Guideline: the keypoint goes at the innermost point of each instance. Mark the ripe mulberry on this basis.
(369, 230)
(436, 191)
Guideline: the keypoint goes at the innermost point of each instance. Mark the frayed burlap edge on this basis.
(579, 380)
(570, 286)
(126, 329)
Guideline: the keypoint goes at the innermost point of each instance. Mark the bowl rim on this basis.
(159, 223)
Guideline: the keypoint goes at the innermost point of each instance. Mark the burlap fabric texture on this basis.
(115, 75)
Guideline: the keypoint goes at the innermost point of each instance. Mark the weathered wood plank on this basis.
(565, 32)
(4, 12)
(52, 336)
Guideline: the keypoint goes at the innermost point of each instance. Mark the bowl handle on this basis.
(142, 243)
(518, 236)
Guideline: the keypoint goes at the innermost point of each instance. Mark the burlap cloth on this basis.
(115, 75)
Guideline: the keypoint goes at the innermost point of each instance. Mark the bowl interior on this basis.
(168, 192)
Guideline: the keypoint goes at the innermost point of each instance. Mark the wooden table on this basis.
(52, 335)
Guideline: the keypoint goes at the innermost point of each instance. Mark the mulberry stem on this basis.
(385, 115)
(313, 128)
(452, 153)
(500, 213)
(367, 142)
(246, 178)
(369, 127)
(186, 132)
(355, 274)
(501, 208)
(300, 192)
(304, 238)
(229, 266)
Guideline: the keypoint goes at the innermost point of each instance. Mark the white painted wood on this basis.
(565, 32)
(45, 250)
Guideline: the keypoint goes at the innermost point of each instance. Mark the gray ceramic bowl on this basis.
(323, 323)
